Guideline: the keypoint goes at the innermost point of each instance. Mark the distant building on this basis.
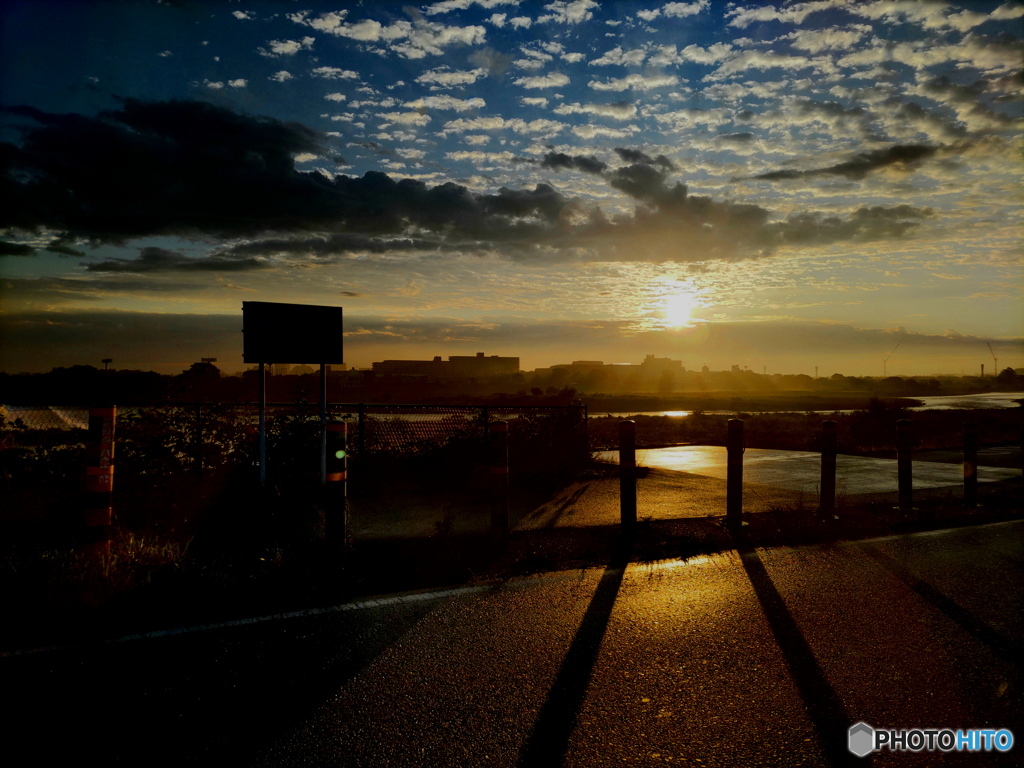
(456, 367)
(482, 367)
(655, 366)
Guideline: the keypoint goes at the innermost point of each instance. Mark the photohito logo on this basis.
(862, 739)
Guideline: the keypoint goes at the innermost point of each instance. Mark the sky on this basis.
(831, 184)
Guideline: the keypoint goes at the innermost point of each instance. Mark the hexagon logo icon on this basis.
(860, 739)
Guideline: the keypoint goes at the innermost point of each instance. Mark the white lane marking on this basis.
(415, 597)
(378, 602)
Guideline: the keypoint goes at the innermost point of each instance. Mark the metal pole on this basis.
(498, 449)
(323, 423)
(627, 475)
(734, 474)
(362, 437)
(336, 481)
(263, 424)
(970, 465)
(904, 470)
(827, 504)
(198, 441)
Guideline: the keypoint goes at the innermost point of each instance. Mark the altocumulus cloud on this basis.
(186, 168)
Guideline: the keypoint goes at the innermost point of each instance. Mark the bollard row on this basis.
(829, 451)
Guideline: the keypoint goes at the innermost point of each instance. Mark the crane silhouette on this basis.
(995, 360)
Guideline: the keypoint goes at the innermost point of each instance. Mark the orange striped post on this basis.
(336, 483)
(498, 450)
(98, 514)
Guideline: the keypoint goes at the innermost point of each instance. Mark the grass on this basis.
(224, 549)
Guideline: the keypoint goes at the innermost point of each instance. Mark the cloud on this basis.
(677, 10)
(16, 249)
(446, 102)
(493, 62)
(667, 55)
(228, 175)
(412, 40)
(793, 14)
(550, 80)
(239, 83)
(443, 77)
(684, 119)
(904, 156)
(637, 156)
(404, 118)
(286, 47)
(515, 124)
(635, 82)
(559, 160)
(335, 73)
(818, 40)
(589, 132)
(282, 77)
(460, 5)
(619, 110)
(568, 12)
(152, 259)
(618, 57)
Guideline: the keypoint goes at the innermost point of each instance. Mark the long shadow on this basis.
(211, 698)
(1010, 650)
(548, 742)
(823, 705)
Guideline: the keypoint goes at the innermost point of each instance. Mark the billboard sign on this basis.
(291, 333)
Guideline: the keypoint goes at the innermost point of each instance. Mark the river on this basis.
(929, 403)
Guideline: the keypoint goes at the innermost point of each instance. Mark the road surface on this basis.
(748, 658)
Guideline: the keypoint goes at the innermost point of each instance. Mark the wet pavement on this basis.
(690, 481)
(752, 658)
(801, 471)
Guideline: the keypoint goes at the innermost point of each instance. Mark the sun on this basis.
(678, 309)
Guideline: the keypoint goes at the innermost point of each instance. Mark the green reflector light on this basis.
(339, 454)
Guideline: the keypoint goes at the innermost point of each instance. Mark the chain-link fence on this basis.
(177, 454)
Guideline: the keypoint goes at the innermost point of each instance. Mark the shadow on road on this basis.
(1010, 649)
(822, 704)
(549, 740)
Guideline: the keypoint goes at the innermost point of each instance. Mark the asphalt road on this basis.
(759, 657)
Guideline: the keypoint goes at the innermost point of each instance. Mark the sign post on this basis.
(293, 333)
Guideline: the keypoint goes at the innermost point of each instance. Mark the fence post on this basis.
(586, 431)
(198, 440)
(904, 470)
(734, 475)
(827, 503)
(336, 482)
(323, 423)
(497, 447)
(263, 424)
(970, 465)
(98, 514)
(627, 475)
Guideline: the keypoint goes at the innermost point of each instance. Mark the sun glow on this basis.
(678, 309)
